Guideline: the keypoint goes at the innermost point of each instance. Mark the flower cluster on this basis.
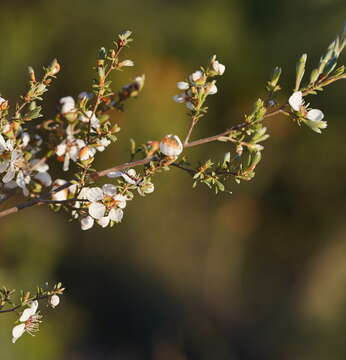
(197, 87)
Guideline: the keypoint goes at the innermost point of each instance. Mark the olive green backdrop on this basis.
(260, 274)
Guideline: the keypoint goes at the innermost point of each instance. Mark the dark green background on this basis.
(188, 275)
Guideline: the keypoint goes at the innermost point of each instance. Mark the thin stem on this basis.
(14, 308)
(128, 165)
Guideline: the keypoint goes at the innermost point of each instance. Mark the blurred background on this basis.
(260, 274)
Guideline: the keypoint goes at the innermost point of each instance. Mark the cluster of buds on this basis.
(197, 87)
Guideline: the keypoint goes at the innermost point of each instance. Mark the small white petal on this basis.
(315, 115)
(218, 67)
(121, 200)
(104, 221)
(87, 223)
(94, 194)
(97, 210)
(116, 215)
(182, 85)
(17, 332)
(109, 189)
(68, 104)
(212, 90)
(296, 100)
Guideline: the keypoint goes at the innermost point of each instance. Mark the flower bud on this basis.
(54, 301)
(171, 145)
(218, 67)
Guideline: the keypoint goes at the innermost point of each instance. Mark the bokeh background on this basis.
(260, 274)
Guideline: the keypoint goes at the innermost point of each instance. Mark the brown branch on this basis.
(98, 174)
(14, 308)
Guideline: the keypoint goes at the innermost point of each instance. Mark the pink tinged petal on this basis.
(94, 194)
(109, 189)
(116, 215)
(104, 221)
(315, 115)
(97, 210)
(296, 100)
(44, 178)
(87, 223)
(17, 332)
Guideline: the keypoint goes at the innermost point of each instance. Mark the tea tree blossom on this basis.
(29, 322)
(67, 104)
(312, 117)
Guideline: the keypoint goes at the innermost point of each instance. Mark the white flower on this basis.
(105, 205)
(183, 85)
(218, 67)
(30, 321)
(68, 104)
(171, 145)
(2, 100)
(190, 106)
(296, 100)
(313, 117)
(54, 301)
